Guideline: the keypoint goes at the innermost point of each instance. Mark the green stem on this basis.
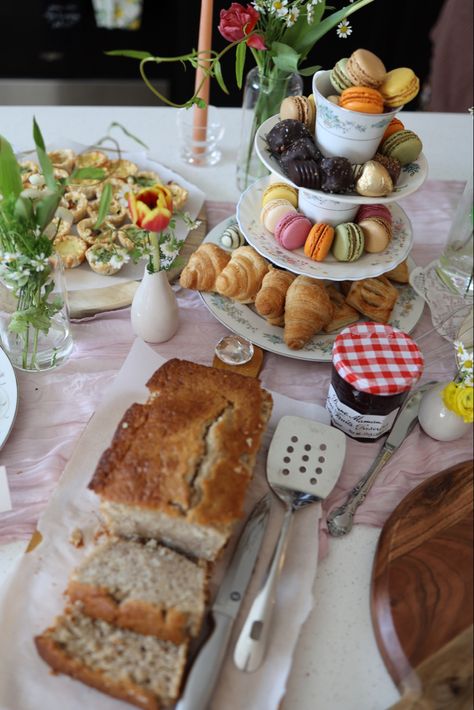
(155, 261)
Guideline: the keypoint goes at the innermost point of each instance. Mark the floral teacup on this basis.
(339, 131)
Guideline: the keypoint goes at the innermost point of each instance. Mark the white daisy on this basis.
(292, 16)
(344, 29)
(279, 8)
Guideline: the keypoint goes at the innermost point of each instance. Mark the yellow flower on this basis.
(449, 395)
(464, 402)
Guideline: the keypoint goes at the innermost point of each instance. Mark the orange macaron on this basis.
(319, 242)
(394, 126)
(362, 99)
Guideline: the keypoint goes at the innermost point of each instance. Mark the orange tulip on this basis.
(151, 208)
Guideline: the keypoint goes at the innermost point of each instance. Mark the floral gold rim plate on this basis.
(8, 397)
(411, 178)
(248, 217)
(245, 321)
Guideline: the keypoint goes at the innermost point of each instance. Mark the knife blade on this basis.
(205, 670)
(340, 520)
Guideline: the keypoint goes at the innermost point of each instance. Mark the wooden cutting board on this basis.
(422, 592)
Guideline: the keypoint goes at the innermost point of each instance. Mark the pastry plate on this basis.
(248, 217)
(411, 178)
(245, 321)
(8, 397)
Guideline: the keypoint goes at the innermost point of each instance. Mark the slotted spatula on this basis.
(304, 461)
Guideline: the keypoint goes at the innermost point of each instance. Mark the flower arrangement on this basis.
(458, 394)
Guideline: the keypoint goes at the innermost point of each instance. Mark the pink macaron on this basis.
(292, 230)
(377, 210)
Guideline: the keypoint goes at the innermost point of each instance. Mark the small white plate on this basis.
(245, 321)
(411, 178)
(8, 397)
(248, 217)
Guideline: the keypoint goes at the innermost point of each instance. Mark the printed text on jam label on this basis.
(363, 426)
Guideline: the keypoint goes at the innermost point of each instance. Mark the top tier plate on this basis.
(411, 178)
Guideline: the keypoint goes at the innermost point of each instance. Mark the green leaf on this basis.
(24, 209)
(285, 57)
(45, 209)
(309, 71)
(218, 74)
(115, 124)
(104, 204)
(240, 53)
(86, 174)
(131, 53)
(10, 174)
(46, 165)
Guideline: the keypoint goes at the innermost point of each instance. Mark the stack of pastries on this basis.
(302, 305)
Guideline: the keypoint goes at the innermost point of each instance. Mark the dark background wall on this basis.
(58, 39)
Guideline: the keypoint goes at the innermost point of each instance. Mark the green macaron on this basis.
(348, 244)
(338, 76)
(404, 145)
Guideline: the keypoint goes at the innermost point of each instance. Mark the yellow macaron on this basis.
(399, 87)
(280, 191)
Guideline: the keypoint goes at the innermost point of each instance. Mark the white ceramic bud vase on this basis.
(437, 420)
(154, 313)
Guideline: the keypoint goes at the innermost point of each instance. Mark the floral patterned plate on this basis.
(245, 321)
(411, 179)
(248, 217)
(8, 397)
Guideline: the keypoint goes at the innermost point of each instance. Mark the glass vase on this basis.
(263, 94)
(35, 329)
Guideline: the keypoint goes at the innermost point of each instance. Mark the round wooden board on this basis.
(422, 586)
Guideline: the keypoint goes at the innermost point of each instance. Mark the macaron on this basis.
(374, 180)
(292, 230)
(362, 99)
(338, 76)
(404, 145)
(299, 108)
(348, 244)
(319, 241)
(280, 191)
(375, 210)
(377, 234)
(334, 99)
(364, 68)
(399, 87)
(273, 211)
(394, 126)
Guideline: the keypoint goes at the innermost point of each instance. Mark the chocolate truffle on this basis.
(284, 133)
(392, 165)
(336, 175)
(304, 173)
(302, 149)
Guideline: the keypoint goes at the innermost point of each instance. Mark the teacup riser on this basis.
(324, 210)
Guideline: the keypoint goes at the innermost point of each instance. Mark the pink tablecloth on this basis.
(55, 406)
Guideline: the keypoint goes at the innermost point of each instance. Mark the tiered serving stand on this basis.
(334, 209)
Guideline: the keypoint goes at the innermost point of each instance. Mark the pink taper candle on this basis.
(204, 43)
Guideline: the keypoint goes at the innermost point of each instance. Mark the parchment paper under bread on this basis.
(33, 594)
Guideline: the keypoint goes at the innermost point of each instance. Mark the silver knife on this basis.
(340, 520)
(205, 670)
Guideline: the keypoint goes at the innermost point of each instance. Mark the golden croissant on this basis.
(203, 267)
(308, 309)
(270, 300)
(242, 277)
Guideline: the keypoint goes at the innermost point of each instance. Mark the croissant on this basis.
(203, 267)
(270, 300)
(242, 277)
(308, 309)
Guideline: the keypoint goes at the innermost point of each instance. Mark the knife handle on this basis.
(205, 669)
(340, 520)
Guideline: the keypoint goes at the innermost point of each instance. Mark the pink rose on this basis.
(237, 22)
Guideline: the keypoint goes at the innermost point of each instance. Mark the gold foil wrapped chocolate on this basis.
(374, 180)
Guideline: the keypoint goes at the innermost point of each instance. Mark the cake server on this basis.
(304, 461)
(340, 520)
(206, 667)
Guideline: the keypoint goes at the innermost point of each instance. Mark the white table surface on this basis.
(337, 664)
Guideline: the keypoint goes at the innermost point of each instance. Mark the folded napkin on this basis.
(33, 594)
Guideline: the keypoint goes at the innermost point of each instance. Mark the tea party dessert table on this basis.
(337, 663)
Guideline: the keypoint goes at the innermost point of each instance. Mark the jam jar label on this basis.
(353, 423)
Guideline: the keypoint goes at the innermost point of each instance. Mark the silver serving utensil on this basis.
(205, 670)
(340, 520)
(303, 464)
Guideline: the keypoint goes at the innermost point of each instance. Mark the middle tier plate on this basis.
(369, 265)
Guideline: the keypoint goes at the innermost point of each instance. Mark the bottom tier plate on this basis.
(245, 321)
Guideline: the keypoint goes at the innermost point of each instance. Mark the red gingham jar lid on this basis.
(376, 358)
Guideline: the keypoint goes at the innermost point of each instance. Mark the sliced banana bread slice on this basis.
(142, 670)
(144, 587)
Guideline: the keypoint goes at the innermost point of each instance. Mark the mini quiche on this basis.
(27, 169)
(92, 159)
(71, 249)
(92, 235)
(121, 169)
(76, 203)
(130, 236)
(64, 159)
(179, 195)
(143, 178)
(116, 215)
(106, 258)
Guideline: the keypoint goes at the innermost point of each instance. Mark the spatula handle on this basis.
(252, 643)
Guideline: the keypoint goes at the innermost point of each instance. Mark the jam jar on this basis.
(373, 368)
